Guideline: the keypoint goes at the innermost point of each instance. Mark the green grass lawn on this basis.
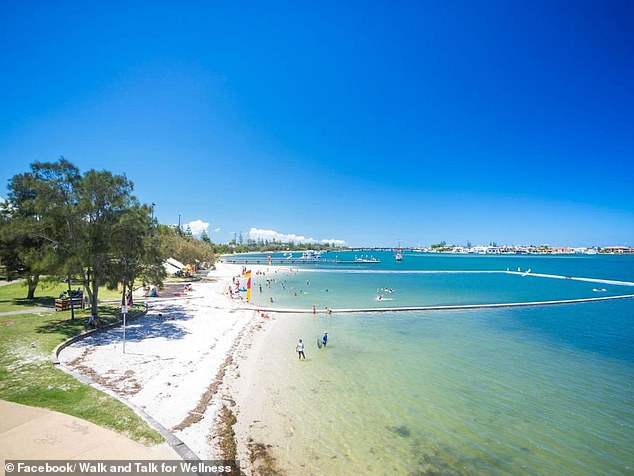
(12, 296)
(28, 376)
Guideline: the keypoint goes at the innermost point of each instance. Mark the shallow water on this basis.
(387, 289)
(540, 390)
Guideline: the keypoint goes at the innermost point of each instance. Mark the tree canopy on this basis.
(90, 227)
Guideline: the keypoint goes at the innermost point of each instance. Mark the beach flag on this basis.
(247, 275)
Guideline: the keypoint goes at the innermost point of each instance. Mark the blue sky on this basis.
(366, 122)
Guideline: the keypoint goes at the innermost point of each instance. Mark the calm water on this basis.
(539, 390)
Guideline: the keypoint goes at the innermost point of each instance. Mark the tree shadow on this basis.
(70, 328)
(155, 325)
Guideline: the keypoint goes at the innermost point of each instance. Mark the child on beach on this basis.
(300, 350)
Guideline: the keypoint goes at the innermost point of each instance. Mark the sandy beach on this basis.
(181, 361)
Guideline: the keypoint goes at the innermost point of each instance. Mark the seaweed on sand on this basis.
(261, 459)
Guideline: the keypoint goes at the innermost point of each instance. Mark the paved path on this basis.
(35, 433)
(30, 310)
(4, 282)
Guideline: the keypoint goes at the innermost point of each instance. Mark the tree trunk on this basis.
(88, 287)
(94, 297)
(70, 296)
(32, 281)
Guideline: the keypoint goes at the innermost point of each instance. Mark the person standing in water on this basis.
(324, 339)
(300, 350)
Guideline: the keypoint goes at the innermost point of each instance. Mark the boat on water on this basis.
(311, 255)
(399, 255)
(365, 259)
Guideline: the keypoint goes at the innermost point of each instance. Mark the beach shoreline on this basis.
(246, 389)
(243, 387)
(177, 359)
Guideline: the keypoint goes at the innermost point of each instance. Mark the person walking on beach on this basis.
(324, 339)
(300, 350)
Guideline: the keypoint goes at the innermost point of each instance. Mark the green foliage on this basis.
(442, 246)
(183, 247)
(266, 245)
(61, 223)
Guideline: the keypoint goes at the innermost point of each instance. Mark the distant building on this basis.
(617, 249)
(562, 250)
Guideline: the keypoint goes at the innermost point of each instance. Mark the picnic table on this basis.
(64, 303)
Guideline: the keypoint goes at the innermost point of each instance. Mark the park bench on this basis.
(64, 304)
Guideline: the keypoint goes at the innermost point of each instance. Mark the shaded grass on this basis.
(28, 376)
(13, 296)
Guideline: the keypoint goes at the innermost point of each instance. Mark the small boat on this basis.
(399, 255)
(365, 259)
(311, 255)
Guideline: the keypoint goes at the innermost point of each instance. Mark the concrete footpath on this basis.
(31, 433)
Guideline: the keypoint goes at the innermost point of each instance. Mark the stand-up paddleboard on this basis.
(319, 343)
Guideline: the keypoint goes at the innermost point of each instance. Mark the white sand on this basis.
(172, 355)
(260, 416)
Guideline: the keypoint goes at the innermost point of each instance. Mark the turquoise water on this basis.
(538, 390)
(430, 280)
(385, 289)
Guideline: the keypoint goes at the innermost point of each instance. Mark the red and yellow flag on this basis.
(247, 275)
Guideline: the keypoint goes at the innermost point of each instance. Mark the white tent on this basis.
(173, 266)
(175, 262)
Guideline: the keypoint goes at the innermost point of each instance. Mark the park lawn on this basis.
(28, 376)
(12, 296)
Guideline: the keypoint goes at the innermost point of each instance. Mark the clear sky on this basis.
(367, 122)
